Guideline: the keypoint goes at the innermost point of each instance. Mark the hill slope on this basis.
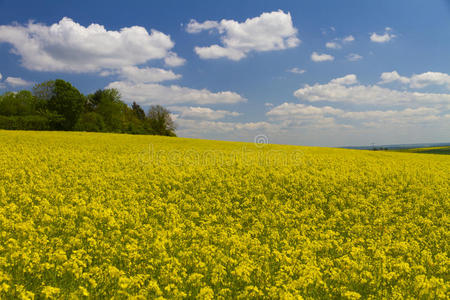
(106, 215)
(430, 150)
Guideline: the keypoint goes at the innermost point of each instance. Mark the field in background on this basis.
(428, 150)
(108, 215)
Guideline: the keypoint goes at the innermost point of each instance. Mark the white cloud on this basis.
(308, 113)
(393, 76)
(408, 114)
(354, 57)
(194, 128)
(146, 75)
(349, 79)
(333, 45)
(1, 76)
(292, 116)
(268, 32)
(382, 38)
(418, 80)
(337, 42)
(348, 39)
(69, 46)
(316, 57)
(204, 113)
(326, 125)
(173, 60)
(196, 27)
(216, 51)
(366, 94)
(151, 93)
(17, 82)
(430, 78)
(288, 110)
(297, 70)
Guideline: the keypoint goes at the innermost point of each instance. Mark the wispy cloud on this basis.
(17, 82)
(337, 43)
(296, 70)
(354, 57)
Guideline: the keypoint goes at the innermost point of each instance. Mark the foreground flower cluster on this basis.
(88, 215)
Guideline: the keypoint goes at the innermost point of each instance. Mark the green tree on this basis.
(138, 111)
(67, 101)
(45, 90)
(17, 104)
(90, 121)
(160, 121)
(109, 105)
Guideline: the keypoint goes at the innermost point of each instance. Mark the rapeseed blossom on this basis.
(89, 215)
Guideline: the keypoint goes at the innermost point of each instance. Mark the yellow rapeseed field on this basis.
(91, 215)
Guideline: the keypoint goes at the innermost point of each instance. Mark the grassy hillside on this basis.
(431, 150)
(106, 215)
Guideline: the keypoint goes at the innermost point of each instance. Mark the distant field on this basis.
(431, 150)
(100, 216)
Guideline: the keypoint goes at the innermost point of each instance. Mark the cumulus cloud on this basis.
(204, 113)
(216, 51)
(333, 45)
(270, 31)
(296, 110)
(409, 114)
(1, 76)
(296, 70)
(292, 116)
(146, 75)
(382, 38)
(348, 39)
(290, 120)
(287, 110)
(293, 111)
(316, 57)
(195, 128)
(354, 57)
(238, 126)
(69, 46)
(17, 82)
(417, 80)
(152, 93)
(173, 60)
(346, 80)
(393, 76)
(196, 27)
(337, 90)
(430, 78)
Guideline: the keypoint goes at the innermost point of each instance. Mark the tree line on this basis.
(58, 105)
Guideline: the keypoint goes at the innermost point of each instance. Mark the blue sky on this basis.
(326, 73)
